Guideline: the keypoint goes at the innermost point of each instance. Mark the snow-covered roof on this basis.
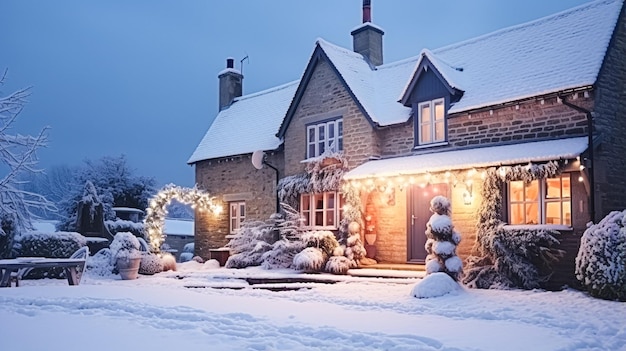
(127, 210)
(250, 123)
(539, 151)
(178, 227)
(555, 53)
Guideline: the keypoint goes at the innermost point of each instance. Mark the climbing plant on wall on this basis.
(518, 257)
(157, 209)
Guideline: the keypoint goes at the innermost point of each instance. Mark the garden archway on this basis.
(156, 211)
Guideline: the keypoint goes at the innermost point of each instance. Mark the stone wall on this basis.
(326, 98)
(234, 179)
(610, 125)
(543, 119)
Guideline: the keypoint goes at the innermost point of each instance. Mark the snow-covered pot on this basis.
(128, 266)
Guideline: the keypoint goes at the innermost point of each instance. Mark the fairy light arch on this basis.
(157, 209)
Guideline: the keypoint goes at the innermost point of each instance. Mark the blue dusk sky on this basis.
(139, 77)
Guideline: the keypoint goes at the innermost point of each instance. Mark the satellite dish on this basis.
(258, 158)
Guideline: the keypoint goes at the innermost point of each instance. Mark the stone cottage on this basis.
(538, 108)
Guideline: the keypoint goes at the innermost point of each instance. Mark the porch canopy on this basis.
(480, 157)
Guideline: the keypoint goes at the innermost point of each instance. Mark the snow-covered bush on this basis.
(337, 265)
(187, 253)
(601, 259)
(150, 264)
(121, 225)
(281, 254)
(56, 244)
(101, 263)
(251, 241)
(310, 260)
(169, 261)
(442, 240)
(42, 244)
(514, 258)
(272, 243)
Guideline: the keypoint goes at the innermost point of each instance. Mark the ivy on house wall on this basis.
(511, 258)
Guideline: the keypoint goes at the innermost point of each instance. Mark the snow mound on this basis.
(434, 285)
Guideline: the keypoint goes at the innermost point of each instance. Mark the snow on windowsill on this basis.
(426, 146)
(557, 227)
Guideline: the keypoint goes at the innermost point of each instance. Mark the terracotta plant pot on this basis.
(128, 267)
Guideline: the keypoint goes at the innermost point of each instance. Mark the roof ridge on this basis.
(531, 23)
(267, 91)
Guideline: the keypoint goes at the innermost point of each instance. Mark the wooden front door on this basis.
(418, 215)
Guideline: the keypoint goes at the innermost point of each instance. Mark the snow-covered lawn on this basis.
(185, 310)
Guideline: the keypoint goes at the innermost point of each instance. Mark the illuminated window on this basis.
(321, 210)
(545, 201)
(323, 136)
(237, 215)
(432, 124)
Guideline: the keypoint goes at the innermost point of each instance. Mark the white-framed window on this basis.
(324, 135)
(431, 126)
(322, 210)
(237, 215)
(545, 201)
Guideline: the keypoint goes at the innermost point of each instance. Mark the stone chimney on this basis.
(230, 84)
(367, 39)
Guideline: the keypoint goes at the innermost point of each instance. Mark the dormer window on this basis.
(432, 123)
(323, 136)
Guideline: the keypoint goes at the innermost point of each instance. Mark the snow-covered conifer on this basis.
(442, 240)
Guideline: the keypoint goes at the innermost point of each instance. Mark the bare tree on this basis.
(17, 155)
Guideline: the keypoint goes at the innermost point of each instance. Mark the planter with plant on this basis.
(125, 255)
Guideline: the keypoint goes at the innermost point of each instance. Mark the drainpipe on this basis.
(591, 165)
(277, 179)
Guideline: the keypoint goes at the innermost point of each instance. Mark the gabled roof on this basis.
(248, 124)
(552, 54)
(451, 77)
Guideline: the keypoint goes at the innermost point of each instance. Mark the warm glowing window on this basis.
(545, 201)
(237, 215)
(323, 136)
(321, 210)
(431, 125)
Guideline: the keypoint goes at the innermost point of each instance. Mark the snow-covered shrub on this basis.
(601, 259)
(120, 225)
(187, 253)
(169, 261)
(322, 239)
(338, 265)
(249, 243)
(442, 240)
(310, 260)
(281, 255)
(150, 264)
(197, 259)
(100, 263)
(514, 258)
(56, 244)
